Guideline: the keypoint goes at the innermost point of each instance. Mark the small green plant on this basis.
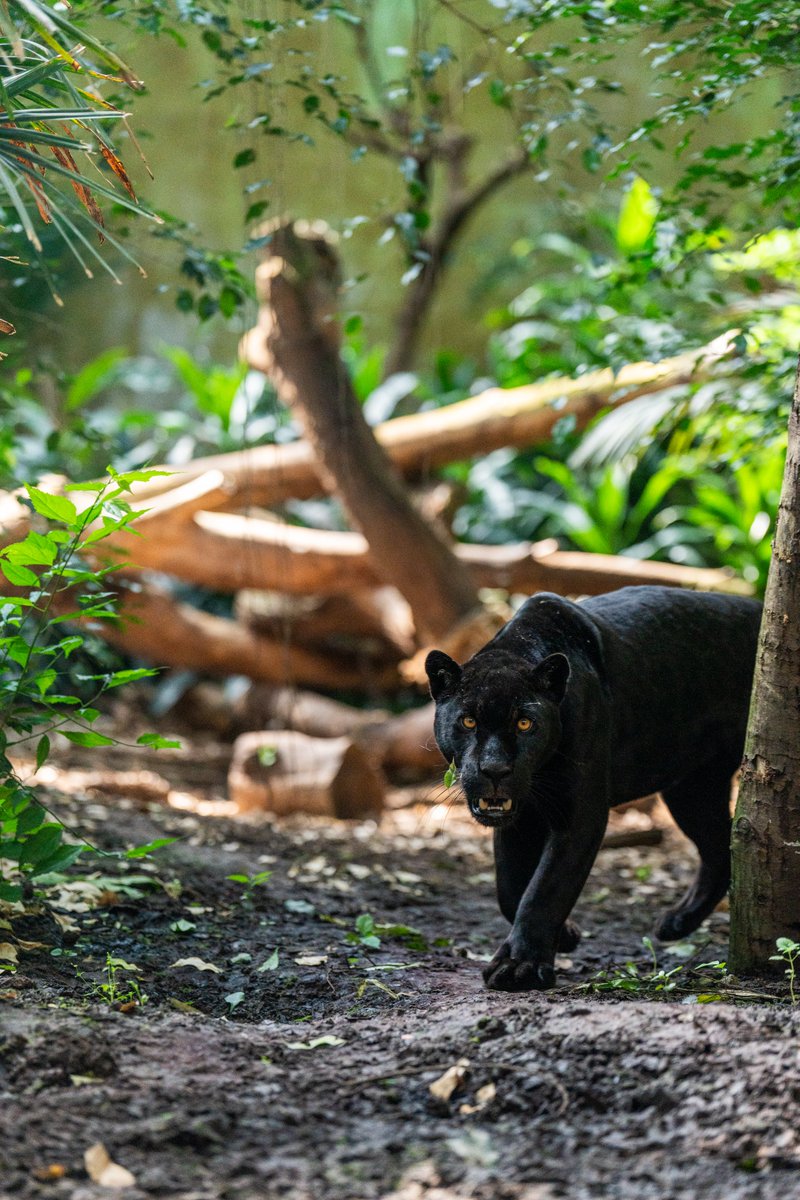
(788, 952)
(364, 933)
(250, 883)
(118, 989)
(56, 588)
(633, 978)
(450, 775)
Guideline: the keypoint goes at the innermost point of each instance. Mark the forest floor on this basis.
(278, 1035)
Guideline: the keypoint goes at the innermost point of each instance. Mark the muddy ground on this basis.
(292, 1054)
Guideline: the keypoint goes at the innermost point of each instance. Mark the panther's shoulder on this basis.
(557, 624)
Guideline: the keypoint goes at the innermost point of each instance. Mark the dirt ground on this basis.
(294, 1023)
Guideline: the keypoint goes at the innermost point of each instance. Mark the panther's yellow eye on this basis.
(524, 724)
(468, 722)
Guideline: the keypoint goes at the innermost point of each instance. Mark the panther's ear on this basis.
(443, 673)
(551, 675)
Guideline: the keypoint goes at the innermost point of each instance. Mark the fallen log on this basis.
(376, 622)
(153, 625)
(262, 707)
(284, 772)
(228, 552)
(521, 416)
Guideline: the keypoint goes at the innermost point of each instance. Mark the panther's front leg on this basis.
(526, 959)
(517, 852)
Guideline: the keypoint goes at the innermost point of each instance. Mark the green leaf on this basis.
(87, 737)
(93, 377)
(234, 999)
(142, 851)
(55, 508)
(271, 963)
(156, 742)
(37, 549)
(19, 576)
(37, 849)
(637, 217)
(42, 751)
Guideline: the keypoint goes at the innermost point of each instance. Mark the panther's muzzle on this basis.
(492, 810)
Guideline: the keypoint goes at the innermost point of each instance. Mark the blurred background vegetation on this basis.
(548, 187)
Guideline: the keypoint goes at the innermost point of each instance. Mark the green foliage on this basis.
(249, 883)
(364, 933)
(136, 410)
(656, 981)
(60, 587)
(120, 988)
(51, 123)
(788, 952)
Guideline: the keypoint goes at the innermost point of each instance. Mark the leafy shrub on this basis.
(56, 591)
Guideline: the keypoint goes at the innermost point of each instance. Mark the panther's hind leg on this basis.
(700, 805)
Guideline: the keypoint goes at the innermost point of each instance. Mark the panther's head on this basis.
(498, 718)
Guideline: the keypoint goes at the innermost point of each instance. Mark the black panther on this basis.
(574, 708)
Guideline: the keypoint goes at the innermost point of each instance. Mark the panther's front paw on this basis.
(507, 974)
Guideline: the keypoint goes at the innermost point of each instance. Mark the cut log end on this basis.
(286, 772)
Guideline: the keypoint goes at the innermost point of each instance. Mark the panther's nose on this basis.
(495, 771)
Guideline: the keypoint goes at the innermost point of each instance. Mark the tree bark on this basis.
(765, 896)
(300, 282)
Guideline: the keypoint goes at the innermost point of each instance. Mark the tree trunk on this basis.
(765, 897)
(299, 282)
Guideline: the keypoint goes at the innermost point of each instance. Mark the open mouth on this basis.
(495, 807)
(493, 811)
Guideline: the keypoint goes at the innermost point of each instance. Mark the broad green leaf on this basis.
(40, 846)
(271, 963)
(86, 737)
(19, 576)
(55, 508)
(35, 550)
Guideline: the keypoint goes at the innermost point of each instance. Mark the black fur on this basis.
(577, 708)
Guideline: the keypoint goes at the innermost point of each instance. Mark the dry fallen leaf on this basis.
(8, 953)
(311, 960)
(101, 1169)
(197, 963)
(443, 1087)
(482, 1097)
